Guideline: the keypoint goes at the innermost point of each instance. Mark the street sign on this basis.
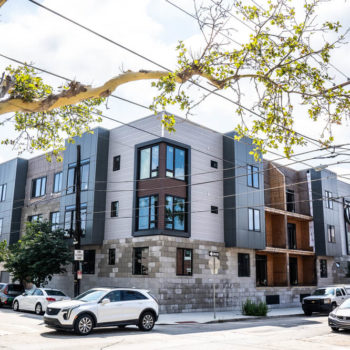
(216, 254)
(78, 255)
(214, 265)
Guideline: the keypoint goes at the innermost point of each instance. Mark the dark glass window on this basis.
(184, 262)
(55, 220)
(147, 213)
(253, 176)
(3, 189)
(175, 162)
(290, 197)
(140, 261)
(293, 271)
(214, 210)
(323, 268)
(331, 234)
(148, 162)
(292, 239)
(69, 219)
(329, 200)
(111, 256)
(88, 265)
(261, 270)
(243, 265)
(116, 163)
(39, 187)
(175, 215)
(128, 295)
(38, 292)
(114, 296)
(84, 176)
(57, 182)
(214, 164)
(114, 209)
(35, 218)
(253, 219)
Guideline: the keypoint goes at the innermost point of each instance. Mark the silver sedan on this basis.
(339, 318)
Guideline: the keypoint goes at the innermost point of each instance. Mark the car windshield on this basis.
(91, 295)
(324, 291)
(345, 304)
(55, 292)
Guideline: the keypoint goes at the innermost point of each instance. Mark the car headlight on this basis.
(327, 301)
(332, 314)
(68, 311)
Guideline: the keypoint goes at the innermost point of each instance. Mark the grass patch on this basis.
(250, 308)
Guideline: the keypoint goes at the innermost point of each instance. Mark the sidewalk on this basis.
(222, 316)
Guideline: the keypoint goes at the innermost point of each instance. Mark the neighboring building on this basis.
(153, 206)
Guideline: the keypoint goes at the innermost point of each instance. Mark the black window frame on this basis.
(35, 218)
(254, 223)
(111, 256)
(71, 209)
(151, 170)
(243, 262)
(114, 209)
(142, 270)
(290, 204)
(173, 214)
(251, 170)
(116, 163)
(59, 189)
(72, 168)
(214, 209)
(293, 273)
(323, 268)
(156, 210)
(331, 238)
(180, 268)
(89, 262)
(172, 171)
(292, 235)
(55, 225)
(34, 187)
(214, 164)
(261, 266)
(329, 199)
(3, 190)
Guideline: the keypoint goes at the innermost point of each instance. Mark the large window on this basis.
(253, 219)
(292, 239)
(175, 216)
(290, 197)
(55, 220)
(148, 162)
(57, 182)
(261, 270)
(69, 219)
(140, 261)
(293, 271)
(39, 187)
(175, 162)
(243, 265)
(184, 262)
(253, 176)
(329, 200)
(323, 268)
(147, 213)
(3, 189)
(35, 218)
(88, 265)
(1, 223)
(331, 233)
(84, 176)
(114, 209)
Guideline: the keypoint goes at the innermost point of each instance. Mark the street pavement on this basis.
(26, 331)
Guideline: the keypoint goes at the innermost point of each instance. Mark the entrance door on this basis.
(293, 271)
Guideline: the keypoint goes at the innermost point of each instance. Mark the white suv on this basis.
(104, 307)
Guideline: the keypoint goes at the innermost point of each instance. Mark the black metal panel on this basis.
(272, 299)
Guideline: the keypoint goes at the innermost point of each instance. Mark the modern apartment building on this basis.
(155, 204)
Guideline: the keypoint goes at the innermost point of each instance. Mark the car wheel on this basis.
(307, 313)
(38, 309)
(15, 306)
(146, 321)
(84, 324)
(334, 306)
(335, 329)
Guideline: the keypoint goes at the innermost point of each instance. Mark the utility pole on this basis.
(77, 231)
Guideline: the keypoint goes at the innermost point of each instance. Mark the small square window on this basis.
(214, 164)
(88, 265)
(214, 210)
(111, 256)
(116, 163)
(140, 261)
(323, 268)
(114, 209)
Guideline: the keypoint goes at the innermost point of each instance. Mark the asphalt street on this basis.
(27, 331)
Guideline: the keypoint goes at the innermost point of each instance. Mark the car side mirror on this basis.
(105, 301)
(24, 294)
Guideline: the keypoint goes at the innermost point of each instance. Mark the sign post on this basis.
(214, 264)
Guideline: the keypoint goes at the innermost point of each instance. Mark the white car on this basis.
(102, 307)
(37, 299)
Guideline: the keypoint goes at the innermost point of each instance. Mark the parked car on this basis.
(324, 299)
(37, 299)
(340, 317)
(101, 307)
(8, 292)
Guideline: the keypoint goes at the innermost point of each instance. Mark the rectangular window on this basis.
(214, 210)
(253, 176)
(3, 189)
(84, 176)
(175, 216)
(55, 220)
(35, 218)
(293, 271)
(57, 182)
(148, 162)
(253, 219)
(175, 162)
(329, 200)
(39, 187)
(111, 256)
(331, 234)
(69, 219)
(140, 261)
(116, 163)
(1, 223)
(147, 213)
(323, 268)
(290, 198)
(88, 265)
(214, 164)
(114, 209)
(292, 239)
(184, 262)
(261, 270)
(243, 265)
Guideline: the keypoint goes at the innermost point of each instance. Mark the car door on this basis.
(134, 303)
(112, 311)
(25, 301)
(37, 297)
